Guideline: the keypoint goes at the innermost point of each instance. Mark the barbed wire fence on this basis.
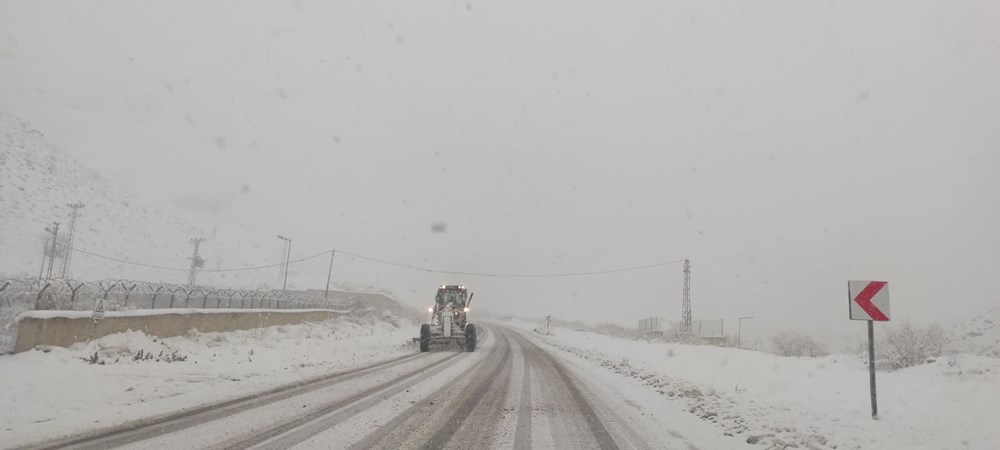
(62, 294)
(38, 294)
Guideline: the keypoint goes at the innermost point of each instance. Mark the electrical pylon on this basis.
(72, 234)
(196, 261)
(686, 299)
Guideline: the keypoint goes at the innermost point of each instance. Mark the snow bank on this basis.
(53, 391)
(780, 402)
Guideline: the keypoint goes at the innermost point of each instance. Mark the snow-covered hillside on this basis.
(981, 335)
(37, 180)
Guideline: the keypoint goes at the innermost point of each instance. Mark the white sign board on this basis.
(98, 310)
(869, 300)
(651, 324)
(707, 328)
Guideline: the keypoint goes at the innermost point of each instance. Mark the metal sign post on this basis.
(98, 310)
(869, 301)
(871, 368)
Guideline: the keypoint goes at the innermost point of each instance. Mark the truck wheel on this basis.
(470, 338)
(425, 337)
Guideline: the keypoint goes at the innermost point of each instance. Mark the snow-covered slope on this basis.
(37, 180)
(981, 335)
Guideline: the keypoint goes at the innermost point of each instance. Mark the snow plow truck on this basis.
(448, 325)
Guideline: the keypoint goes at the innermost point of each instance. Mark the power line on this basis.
(269, 266)
(511, 275)
(153, 266)
(133, 263)
(401, 265)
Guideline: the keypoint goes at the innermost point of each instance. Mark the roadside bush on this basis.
(794, 343)
(905, 345)
(611, 329)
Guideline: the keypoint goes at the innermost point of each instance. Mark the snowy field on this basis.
(129, 376)
(781, 402)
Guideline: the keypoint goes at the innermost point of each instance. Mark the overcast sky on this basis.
(783, 146)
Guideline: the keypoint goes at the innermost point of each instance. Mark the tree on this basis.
(794, 343)
(905, 345)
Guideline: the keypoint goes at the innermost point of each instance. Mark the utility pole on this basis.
(686, 299)
(45, 252)
(55, 237)
(72, 234)
(196, 261)
(281, 267)
(739, 331)
(288, 255)
(329, 274)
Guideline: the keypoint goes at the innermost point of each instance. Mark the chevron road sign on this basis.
(869, 300)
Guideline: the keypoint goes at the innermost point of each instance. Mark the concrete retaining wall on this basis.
(65, 329)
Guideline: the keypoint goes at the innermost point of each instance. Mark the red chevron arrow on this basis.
(864, 300)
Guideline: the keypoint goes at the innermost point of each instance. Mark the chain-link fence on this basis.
(35, 294)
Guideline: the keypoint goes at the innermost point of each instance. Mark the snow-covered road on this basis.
(780, 402)
(361, 383)
(508, 394)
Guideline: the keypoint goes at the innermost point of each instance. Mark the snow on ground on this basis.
(780, 402)
(128, 376)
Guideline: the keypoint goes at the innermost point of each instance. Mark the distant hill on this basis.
(37, 180)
